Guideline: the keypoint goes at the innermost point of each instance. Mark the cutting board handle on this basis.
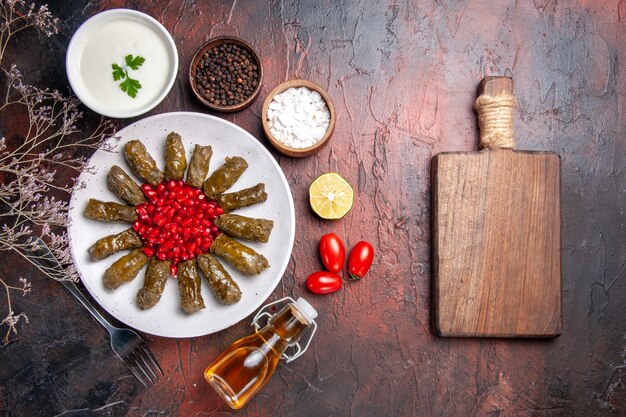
(495, 105)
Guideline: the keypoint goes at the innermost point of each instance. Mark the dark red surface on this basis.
(403, 77)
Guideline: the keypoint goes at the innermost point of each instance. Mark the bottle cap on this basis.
(306, 309)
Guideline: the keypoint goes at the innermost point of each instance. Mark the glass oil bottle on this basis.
(246, 366)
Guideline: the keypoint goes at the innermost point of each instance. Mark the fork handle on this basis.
(71, 287)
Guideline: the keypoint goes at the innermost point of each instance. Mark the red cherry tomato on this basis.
(332, 252)
(360, 259)
(323, 282)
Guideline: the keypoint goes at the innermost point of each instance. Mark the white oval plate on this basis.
(166, 318)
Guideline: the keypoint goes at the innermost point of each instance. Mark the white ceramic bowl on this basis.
(107, 38)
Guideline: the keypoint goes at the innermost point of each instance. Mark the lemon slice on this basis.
(331, 196)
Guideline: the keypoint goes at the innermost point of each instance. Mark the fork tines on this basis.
(143, 365)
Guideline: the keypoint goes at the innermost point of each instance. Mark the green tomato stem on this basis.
(354, 277)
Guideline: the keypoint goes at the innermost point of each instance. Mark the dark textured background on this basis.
(403, 77)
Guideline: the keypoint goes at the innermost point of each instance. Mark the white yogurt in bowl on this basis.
(107, 39)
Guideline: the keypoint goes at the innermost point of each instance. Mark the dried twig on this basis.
(32, 200)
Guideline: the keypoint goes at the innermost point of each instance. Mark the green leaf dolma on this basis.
(234, 225)
(124, 187)
(154, 282)
(142, 163)
(224, 177)
(189, 285)
(108, 211)
(111, 244)
(175, 159)
(226, 290)
(242, 257)
(243, 198)
(199, 165)
(125, 269)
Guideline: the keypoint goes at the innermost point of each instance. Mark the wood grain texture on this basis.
(403, 78)
(497, 244)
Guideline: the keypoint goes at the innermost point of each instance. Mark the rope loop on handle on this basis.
(495, 120)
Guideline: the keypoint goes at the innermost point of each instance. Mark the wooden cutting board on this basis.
(496, 232)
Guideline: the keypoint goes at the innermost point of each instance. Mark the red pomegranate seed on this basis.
(176, 222)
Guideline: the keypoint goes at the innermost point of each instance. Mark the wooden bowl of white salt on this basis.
(298, 118)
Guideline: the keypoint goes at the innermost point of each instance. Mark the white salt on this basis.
(298, 117)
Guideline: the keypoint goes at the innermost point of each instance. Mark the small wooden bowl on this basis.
(210, 44)
(288, 150)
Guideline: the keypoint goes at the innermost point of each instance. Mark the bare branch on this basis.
(33, 202)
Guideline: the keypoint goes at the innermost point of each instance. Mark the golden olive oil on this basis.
(246, 366)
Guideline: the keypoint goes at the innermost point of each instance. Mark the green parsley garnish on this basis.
(130, 86)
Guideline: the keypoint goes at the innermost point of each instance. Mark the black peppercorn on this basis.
(227, 75)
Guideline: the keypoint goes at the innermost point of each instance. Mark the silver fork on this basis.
(127, 345)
